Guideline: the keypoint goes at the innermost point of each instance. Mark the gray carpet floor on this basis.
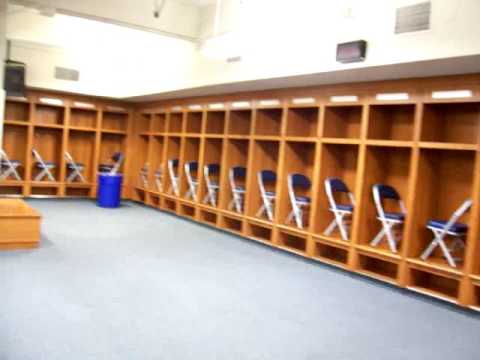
(135, 283)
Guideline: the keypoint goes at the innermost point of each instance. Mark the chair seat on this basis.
(239, 189)
(303, 199)
(46, 164)
(342, 207)
(78, 166)
(105, 166)
(440, 224)
(270, 194)
(395, 216)
(13, 162)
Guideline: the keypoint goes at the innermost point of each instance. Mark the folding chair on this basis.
(342, 213)
(210, 171)
(392, 222)
(264, 178)
(44, 166)
(441, 229)
(172, 171)
(144, 175)
(159, 178)
(8, 167)
(238, 191)
(75, 169)
(113, 168)
(191, 169)
(299, 203)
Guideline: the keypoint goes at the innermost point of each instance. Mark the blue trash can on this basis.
(109, 190)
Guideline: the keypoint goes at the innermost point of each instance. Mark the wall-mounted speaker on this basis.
(14, 83)
(352, 51)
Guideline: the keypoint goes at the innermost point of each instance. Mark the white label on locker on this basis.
(115, 108)
(344, 98)
(452, 94)
(83, 105)
(18, 98)
(392, 96)
(51, 101)
(195, 107)
(301, 101)
(241, 104)
(216, 106)
(271, 102)
(176, 108)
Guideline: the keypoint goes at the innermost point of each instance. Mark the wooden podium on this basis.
(19, 225)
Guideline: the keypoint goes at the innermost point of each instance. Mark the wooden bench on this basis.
(19, 225)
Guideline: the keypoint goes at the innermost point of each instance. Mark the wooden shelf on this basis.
(391, 122)
(342, 122)
(83, 118)
(302, 122)
(330, 253)
(268, 122)
(16, 123)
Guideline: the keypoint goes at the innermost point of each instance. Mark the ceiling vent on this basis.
(62, 73)
(413, 18)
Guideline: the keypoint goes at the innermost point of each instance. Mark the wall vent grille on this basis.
(413, 18)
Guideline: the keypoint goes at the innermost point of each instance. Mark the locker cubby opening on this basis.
(110, 144)
(212, 154)
(153, 200)
(187, 210)
(115, 121)
(302, 122)
(342, 122)
(194, 122)
(266, 155)
(299, 157)
(444, 182)
(391, 122)
(330, 253)
(169, 205)
(77, 192)
(379, 268)
(215, 122)
(239, 122)
(159, 123)
(191, 152)
(259, 232)
(17, 111)
(15, 145)
(48, 143)
(138, 195)
(337, 161)
(292, 242)
(476, 297)
(433, 284)
(156, 160)
(208, 217)
(236, 155)
(175, 122)
(49, 115)
(268, 122)
(173, 152)
(142, 161)
(231, 224)
(388, 166)
(81, 146)
(11, 191)
(44, 191)
(143, 123)
(451, 123)
(83, 118)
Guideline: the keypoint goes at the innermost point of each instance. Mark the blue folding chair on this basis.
(8, 167)
(74, 169)
(113, 167)
(300, 203)
(144, 175)
(191, 169)
(174, 178)
(44, 166)
(211, 173)
(441, 229)
(237, 173)
(265, 178)
(342, 213)
(392, 221)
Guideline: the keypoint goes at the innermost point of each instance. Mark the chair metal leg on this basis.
(376, 240)
(330, 227)
(341, 226)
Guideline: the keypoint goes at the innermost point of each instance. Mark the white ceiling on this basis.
(197, 2)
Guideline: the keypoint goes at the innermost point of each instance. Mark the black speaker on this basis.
(14, 83)
(352, 51)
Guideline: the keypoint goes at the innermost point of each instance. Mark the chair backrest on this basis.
(3, 155)
(382, 192)
(190, 167)
(37, 156)
(336, 185)
(210, 169)
(264, 177)
(297, 181)
(236, 172)
(117, 156)
(69, 158)
(172, 164)
(458, 213)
